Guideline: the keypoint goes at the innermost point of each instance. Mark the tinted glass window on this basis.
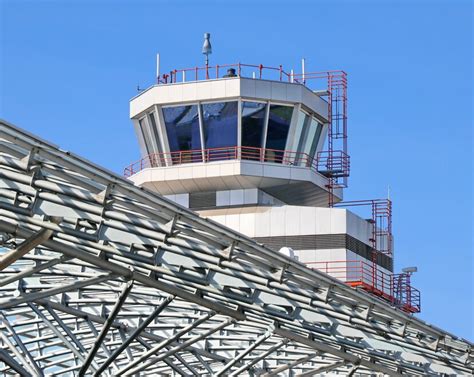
(253, 121)
(253, 118)
(182, 127)
(220, 124)
(277, 133)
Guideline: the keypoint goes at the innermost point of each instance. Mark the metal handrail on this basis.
(395, 288)
(284, 157)
(259, 71)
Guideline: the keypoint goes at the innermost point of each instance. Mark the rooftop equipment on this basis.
(207, 50)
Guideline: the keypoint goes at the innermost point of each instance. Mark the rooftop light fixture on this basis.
(409, 270)
(207, 50)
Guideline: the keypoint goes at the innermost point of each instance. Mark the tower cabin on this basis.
(253, 148)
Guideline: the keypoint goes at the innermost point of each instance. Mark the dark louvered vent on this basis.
(200, 200)
(326, 241)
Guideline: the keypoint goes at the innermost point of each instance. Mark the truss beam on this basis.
(12, 363)
(134, 334)
(285, 367)
(322, 369)
(258, 358)
(108, 323)
(184, 345)
(103, 227)
(244, 353)
(25, 247)
(168, 341)
(338, 353)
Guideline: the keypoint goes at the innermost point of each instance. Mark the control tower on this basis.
(264, 151)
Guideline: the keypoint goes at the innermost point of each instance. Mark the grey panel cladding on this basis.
(201, 200)
(326, 241)
(299, 194)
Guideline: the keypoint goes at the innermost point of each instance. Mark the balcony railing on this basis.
(282, 157)
(395, 288)
(314, 80)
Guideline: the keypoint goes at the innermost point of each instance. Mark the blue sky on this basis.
(69, 68)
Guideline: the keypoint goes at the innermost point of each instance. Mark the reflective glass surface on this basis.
(296, 147)
(154, 131)
(146, 135)
(220, 128)
(253, 119)
(277, 133)
(311, 138)
(182, 127)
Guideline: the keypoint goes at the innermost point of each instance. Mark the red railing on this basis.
(407, 297)
(221, 154)
(220, 71)
(356, 273)
(333, 165)
(327, 79)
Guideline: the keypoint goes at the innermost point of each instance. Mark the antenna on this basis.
(158, 68)
(207, 50)
(302, 70)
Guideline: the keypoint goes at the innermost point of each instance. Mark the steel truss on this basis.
(105, 278)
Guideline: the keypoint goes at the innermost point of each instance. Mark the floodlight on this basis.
(409, 270)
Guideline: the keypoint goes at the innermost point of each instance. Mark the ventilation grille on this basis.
(200, 200)
(326, 241)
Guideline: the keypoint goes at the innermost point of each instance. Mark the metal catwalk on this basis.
(100, 277)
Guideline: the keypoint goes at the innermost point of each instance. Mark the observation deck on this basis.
(254, 127)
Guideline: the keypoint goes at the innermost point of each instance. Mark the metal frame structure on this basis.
(395, 288)
(127, 283)
(284, 157)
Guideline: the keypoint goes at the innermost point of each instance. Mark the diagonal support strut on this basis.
(108, 323)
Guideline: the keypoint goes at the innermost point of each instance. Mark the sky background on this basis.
(69, 68)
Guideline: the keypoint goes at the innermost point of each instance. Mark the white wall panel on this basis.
(236, 197)
(250, 196)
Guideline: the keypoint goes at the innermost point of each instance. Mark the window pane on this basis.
(301, 125)
(253, 119)
(146, 135)
(317, 135)
(311, 139)
(182, 128)
(154, 130)
(277, 133)
(220, 129)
